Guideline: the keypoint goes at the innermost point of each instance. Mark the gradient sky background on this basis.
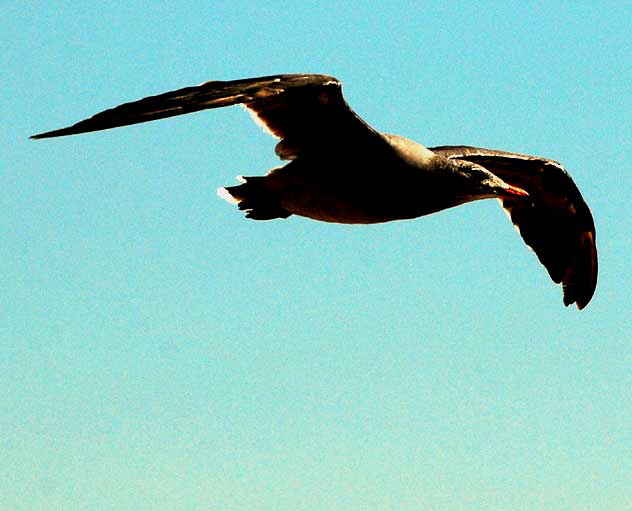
(161, 352)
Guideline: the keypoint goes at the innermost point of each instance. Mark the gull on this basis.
(342, 170)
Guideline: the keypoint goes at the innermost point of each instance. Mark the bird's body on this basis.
(350, 187)
(342, 170)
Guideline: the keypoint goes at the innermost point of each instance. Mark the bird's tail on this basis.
(254, 197)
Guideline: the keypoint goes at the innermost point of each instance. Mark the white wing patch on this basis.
(259, 121)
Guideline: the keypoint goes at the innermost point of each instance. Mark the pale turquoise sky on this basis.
(161, 352)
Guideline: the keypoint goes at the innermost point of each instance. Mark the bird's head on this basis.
(476, 182)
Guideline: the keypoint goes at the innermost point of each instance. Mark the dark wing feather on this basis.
(301, 109)
(556, 224)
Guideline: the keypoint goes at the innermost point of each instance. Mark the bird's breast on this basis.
(356, 199)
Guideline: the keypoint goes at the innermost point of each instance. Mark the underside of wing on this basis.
(556, 223)
(301, 109)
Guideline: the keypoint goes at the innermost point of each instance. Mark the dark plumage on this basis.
(342, 170)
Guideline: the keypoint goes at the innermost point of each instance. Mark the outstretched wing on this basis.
(301, 109)
(556, 224)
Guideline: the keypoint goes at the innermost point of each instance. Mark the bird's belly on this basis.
(352, 192)
(337, 212)
(345, 205)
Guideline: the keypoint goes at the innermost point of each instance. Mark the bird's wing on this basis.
(556, 224)
(300, 109)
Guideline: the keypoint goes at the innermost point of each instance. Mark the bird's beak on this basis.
(513, 191)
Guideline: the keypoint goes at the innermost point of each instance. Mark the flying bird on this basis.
(342, 170)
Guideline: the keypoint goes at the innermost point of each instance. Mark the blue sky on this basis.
(161, 352)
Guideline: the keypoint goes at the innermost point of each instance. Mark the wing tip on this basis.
(580, 298)
(70, 130)
(580, 283)
(41, 135)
